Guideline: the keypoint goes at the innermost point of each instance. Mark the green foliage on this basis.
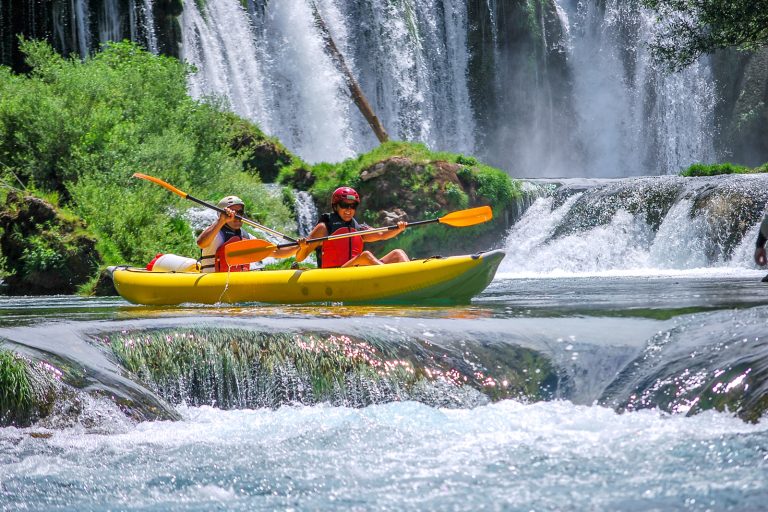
(40, 256)
(690, 29)
(133, 223)
(466, 160)
(492, 184)
(715, 169)
(456, 195)
(16, 394)
(79, 130)
(45, 250)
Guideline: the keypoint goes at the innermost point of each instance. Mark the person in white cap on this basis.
(227, 229)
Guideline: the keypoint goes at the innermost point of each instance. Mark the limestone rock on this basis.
(43, 252)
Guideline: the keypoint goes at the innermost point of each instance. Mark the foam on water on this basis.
(692, 273)
(399, 455)
(644, 227)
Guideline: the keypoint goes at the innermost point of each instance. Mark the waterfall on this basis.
(306, 213)
(640, 224)
(219, 42)
(79, 26)
(633, 117)
(558, 88)
(620, 116)
(110, 28)
(71, 31)
(410, 58)
(149, 24)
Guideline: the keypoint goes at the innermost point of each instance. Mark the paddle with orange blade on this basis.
(183, 194)
(251, 251)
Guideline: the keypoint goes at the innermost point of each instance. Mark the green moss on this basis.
(74, 132)
(724, 168)
(16, 396)
(493, 184)
(238, 368)
(232, 368)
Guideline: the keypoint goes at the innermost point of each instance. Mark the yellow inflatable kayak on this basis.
(451, 280)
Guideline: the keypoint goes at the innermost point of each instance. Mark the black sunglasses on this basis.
(348, 206)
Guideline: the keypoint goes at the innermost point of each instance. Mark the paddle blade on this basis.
(161, 183)
(468, 217)
(248, 251)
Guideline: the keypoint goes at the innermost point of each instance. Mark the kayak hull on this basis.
(451, 280)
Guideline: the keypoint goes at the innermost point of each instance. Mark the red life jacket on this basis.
(221, 260)
(338, 252)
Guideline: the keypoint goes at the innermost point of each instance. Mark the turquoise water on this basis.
(608, 437)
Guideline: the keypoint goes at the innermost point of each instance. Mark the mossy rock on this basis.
(729, 214)
(406, 181)
(261, 155)
(650, 197)
(45, 251)
(399, 182)
(103, 285)
(402, 189)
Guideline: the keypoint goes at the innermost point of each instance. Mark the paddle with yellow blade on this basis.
(250, 251)
(183, 194)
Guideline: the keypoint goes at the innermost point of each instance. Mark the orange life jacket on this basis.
(221, 259)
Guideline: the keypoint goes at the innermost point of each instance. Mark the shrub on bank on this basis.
(78, 130)
(724, 168)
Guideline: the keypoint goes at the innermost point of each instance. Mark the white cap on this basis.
(228, 201)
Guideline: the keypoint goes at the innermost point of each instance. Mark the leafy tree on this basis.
(691, 28)
(78, 129)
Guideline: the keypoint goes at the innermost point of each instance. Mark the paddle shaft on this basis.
(358, 233)
(183, 194)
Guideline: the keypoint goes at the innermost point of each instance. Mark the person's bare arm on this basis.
(305, 248)
(385, 235)
(206, 237)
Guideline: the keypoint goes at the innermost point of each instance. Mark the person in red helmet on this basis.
(347, 252)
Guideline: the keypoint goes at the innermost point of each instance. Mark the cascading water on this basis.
(641, 224)
(306, 213)
(410, 58)
(79, 26)
(219, 41)
(149, 24)
(633, 117)
(71, 27)
(561, 88)
(109, 21)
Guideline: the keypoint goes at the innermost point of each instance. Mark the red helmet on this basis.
(344, 194)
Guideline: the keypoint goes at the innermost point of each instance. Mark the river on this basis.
(596, 434)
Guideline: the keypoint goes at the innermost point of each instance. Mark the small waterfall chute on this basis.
(661, 223)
